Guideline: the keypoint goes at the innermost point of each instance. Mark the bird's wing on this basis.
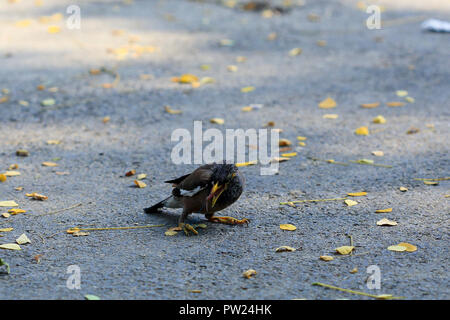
(189, 185)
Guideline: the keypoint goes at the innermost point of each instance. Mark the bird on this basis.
(207, 189)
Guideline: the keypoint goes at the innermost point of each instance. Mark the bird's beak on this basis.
(216, 191)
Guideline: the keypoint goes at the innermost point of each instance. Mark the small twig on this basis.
(371, 164)
(72, 230)
(311, 200)
(381, 296)
(61, 210)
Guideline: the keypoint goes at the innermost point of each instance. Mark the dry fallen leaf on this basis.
(2, 178)
(326, 258)
(185, 78)
(284, 249)
(330, 116)
(370, 105)
(23, 239)
(53, 142)
(8, 204)
(357, 194)
(10, 246)
(379, 119)
(401, 93)
(15, 211)
(295, 52)
(279, 159)
(362, 131)
(37, 196)
(431, 183)
(327, 103)
(291, 154)
(13, 166)
(383, 210)
(378, 153)
(217, 120)
(395, 104)
(5, 215)
(288, 227)
(130, 173)
(386, 222)
(53, 29)
(22, 153)
(49, 164)
(6, 229)
(403, 189)
(168, 109)
(397, 248)
(284, 142)
(354, 270)
(247, 109)
(249, 273)
(139, 184)
(247, 89)
(345, 250)
(350, 203)
(300, 138)
(106, 119)
(409, 247)
(141, 176)
(12, 173)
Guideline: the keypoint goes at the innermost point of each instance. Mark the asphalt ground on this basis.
(165, 39)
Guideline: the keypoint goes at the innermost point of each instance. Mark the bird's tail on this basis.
(154, 208)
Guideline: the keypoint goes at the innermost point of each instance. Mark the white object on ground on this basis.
(436, 25)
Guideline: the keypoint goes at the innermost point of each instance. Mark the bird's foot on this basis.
(229, 220)
(187, 228)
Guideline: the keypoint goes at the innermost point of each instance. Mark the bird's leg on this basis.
(227, 220)
(185, 226)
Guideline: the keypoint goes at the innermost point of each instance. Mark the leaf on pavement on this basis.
(8, 204)
(383, 210)
(249, 273)
(386, 222)
(288, 227)
(37, 196)
(10, 246)
(357, 194)
(23, 239)
(139, 184)
(350, 203)
(345, 250)
(168, 109)
(285, 249)
(326, 258)
(328, 103)
(362, 131)
(49, 164)
(370, 105)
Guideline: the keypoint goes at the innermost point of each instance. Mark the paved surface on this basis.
(356, 66)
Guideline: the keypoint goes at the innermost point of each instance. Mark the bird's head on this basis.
(221, 178)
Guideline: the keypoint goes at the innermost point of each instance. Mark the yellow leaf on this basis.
(327, 103)
(232, 68)
(5, 215)
(22, 153)
(247, 109)
(288, 227)
(279, 159)
(139, 184)
(321, 43)
(170, 232)
(205, 67)
(326, 258)
(49, 164)
(23, 239)
(403, 189)
(53, 29)
(300, 138)
(362, 131)
(37, 196)
(397, 248)
(395, 104)
(284, 249)
(245, 164)
(409, 247)
(295, 52)
(241, 59)
(168, 109)
(10, 246)
(357, 194)
(249, 273)
(13, 166)
(12, 173)
(431, 183)
(16, 211)
(2, 178)
(378, 153)
(6, 229)
(379, 119)
(186, 78)
(410, 99)
(106, 119)
(217, 120)
(386, 222)
(8, 204)
(291, 154)
(354, 270)
(330, 116)
(401, 93)
(370, 105)
(345, 249)
(247, 89)
(350, 202)
(383, 210)
(141, 176)
(272, 36)
(53, 142)
(301, 144)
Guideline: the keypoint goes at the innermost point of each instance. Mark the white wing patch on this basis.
(190, 193)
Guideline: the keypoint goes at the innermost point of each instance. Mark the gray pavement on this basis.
(356, 66)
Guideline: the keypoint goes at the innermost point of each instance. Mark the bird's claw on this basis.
(229, 220)
(187, 228)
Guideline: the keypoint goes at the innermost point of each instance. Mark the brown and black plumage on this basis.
(208, 189)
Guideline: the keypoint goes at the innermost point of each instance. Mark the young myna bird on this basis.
(208, 189)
